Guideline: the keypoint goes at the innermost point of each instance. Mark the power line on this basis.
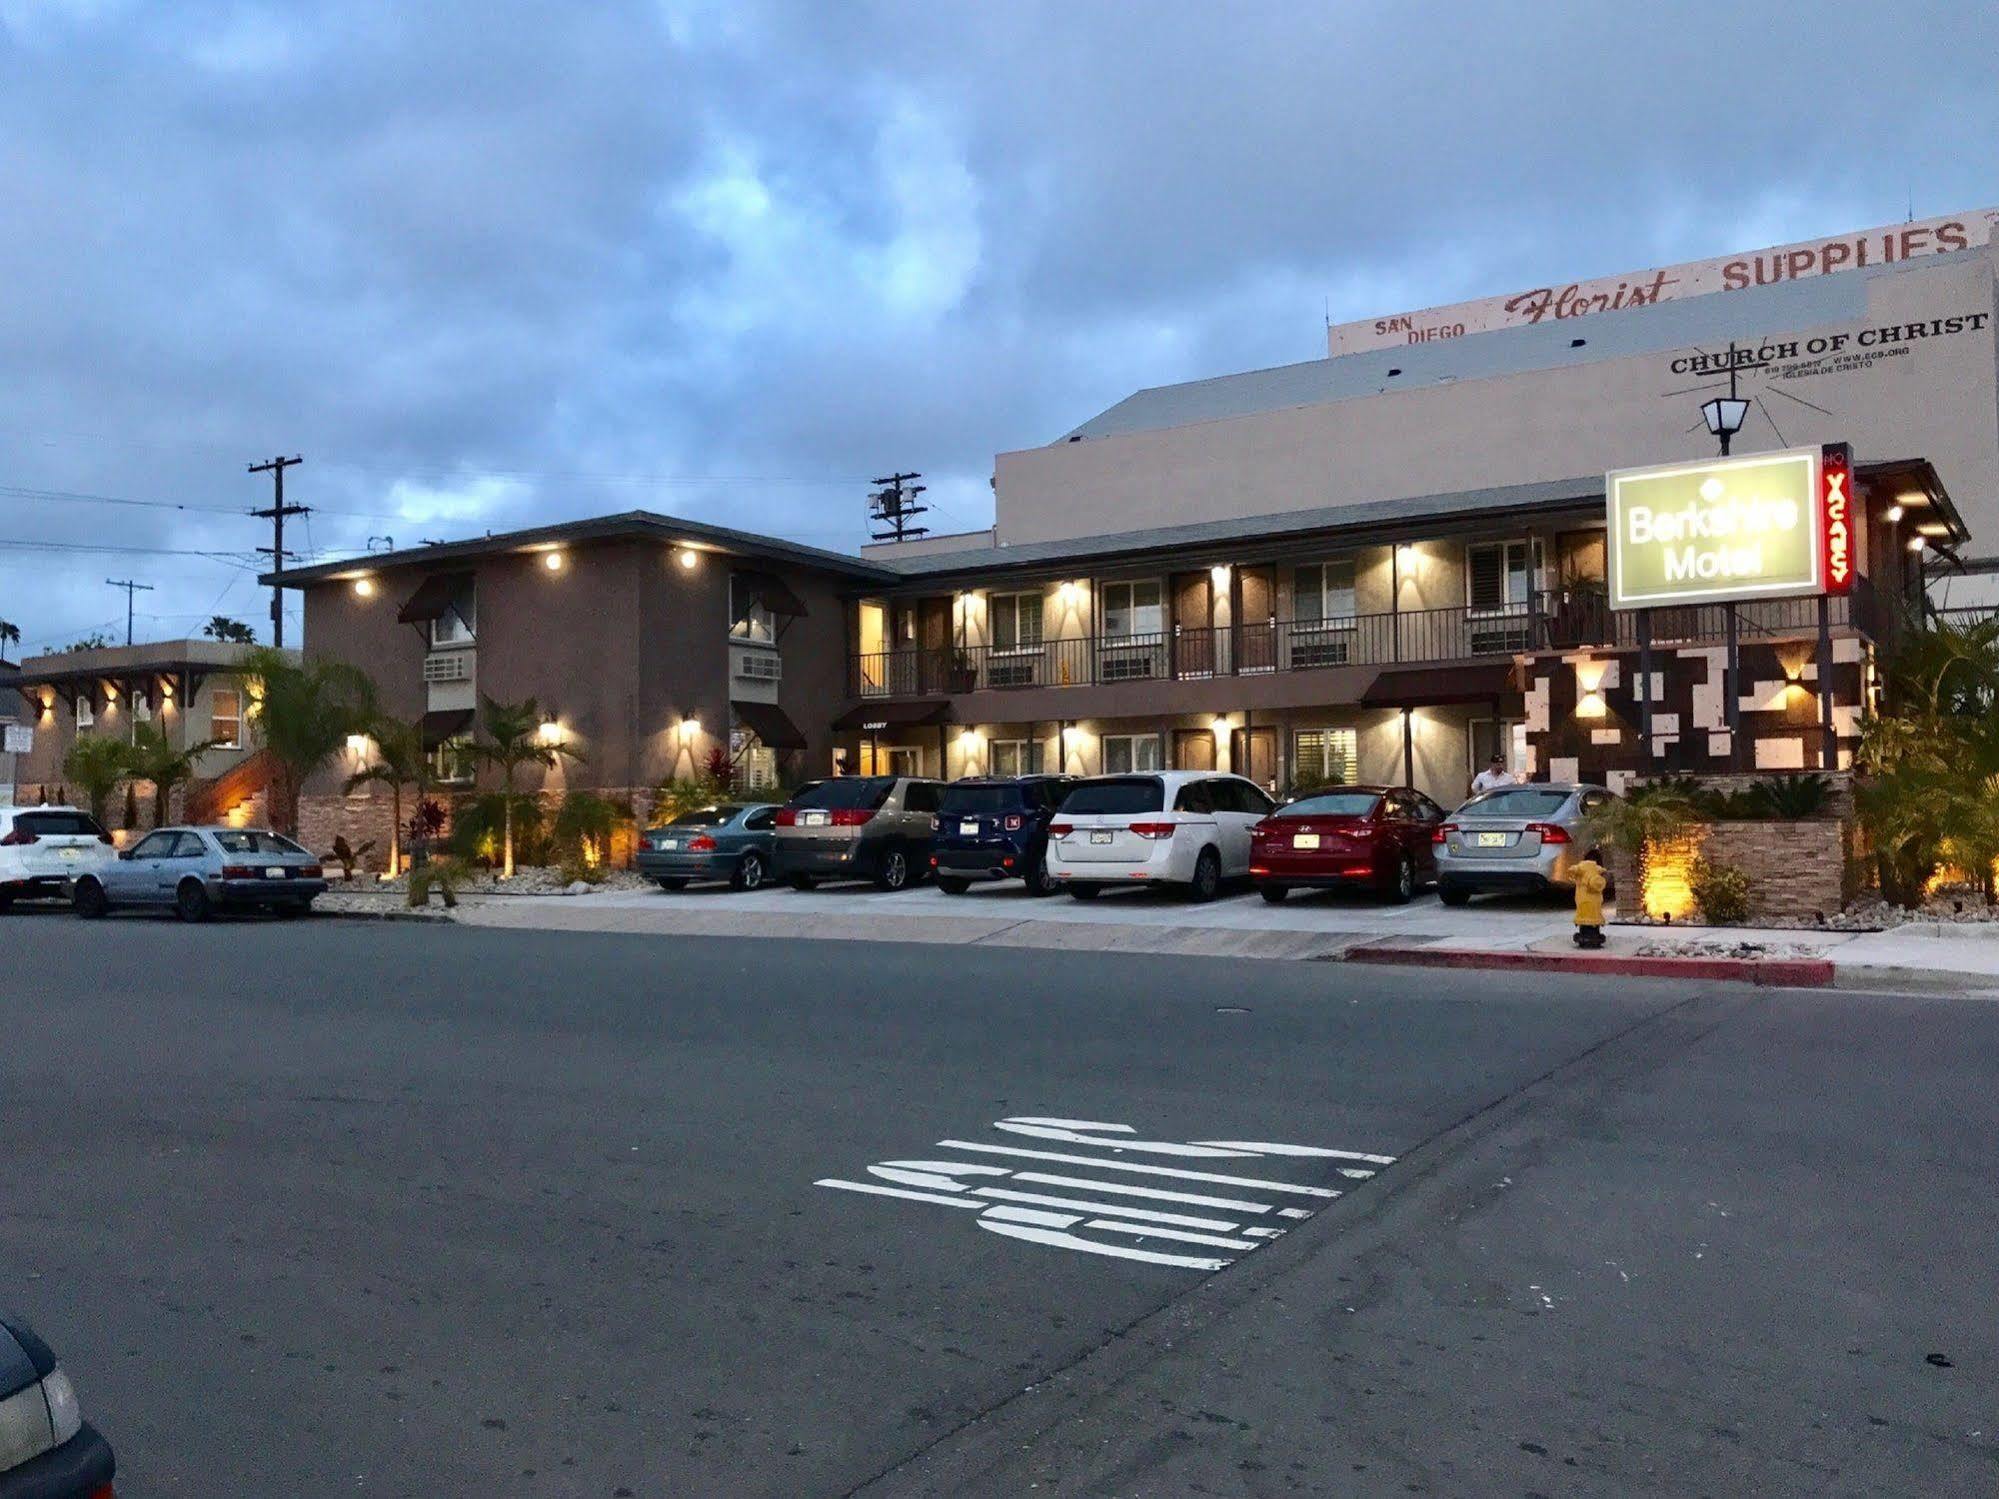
(132, 588)
(276, 514)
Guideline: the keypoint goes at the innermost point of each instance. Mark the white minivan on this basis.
(44, 849)
(1187, 828)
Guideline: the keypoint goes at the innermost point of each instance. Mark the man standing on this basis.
(1493, 776)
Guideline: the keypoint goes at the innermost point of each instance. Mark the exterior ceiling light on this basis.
(1725, 416)
(688, 558)
(1895, 513)
(364, 588)
(552, 561)
(1918, 542)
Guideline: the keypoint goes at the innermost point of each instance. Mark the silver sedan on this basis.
(197, 871)
(1515, 838)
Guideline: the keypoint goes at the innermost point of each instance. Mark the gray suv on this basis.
(858, 828)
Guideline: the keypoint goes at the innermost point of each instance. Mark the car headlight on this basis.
(65, 1415)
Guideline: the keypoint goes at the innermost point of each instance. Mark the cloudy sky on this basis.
(488, 263)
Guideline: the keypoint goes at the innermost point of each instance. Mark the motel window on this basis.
(1132, 609)
(459, 623)
(452, 762)
(1127, 754)
(1323, 592)
(1016, 757)
(1016, 621)
(225, 718)
(1496, 575)
(904, 762)
(752, 619)
(142, 706)
(1320, 756)
(757, 769)
(86, 712)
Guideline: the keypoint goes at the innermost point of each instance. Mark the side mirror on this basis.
(125, 853)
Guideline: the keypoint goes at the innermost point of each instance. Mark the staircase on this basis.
(240, 795)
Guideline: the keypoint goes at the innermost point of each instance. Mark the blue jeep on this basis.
(996, 828)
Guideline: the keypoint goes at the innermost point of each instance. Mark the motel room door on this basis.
(1193, 749)
(1253, 753)
(1193, 625)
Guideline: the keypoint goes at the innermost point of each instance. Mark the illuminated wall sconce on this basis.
(1895, 513)
(1406, 555)
(1220, 573)
(357, 747)
(110, 694)
(689, 727)
(49, 706)
(553, 561)
(688, 558)
(1220, 725)
(364, 588)
(1591, 705)
(1589, 684)
(1917, 543)
(550, 731)
(167, 691)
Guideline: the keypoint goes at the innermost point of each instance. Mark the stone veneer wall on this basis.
(366, 816)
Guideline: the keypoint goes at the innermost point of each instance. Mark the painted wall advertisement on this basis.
(1545, 304)
(1731, 528)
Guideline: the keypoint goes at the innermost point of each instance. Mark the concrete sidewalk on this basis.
(1324, 926)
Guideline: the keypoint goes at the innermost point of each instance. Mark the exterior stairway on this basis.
(240, 795)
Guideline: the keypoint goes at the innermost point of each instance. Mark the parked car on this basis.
(1514, 838)
(1378, 836)
(47, 1449)
(731, 841)
(198, 871)
(1174, 827)
(44, 849)
(996, 828)
(858, 828)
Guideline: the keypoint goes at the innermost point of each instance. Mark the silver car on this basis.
(858, 828)
(1514, 838)
(198, 871)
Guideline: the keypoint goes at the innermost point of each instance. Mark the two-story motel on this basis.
(1387, 564)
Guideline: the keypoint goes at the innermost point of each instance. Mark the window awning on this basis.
(770, 591)
(1440, 686)
(445, 723)
(893, 715)
(436, 596)
(769, 723)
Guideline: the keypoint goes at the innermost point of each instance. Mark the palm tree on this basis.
(514, 734)
(10, 634)
(399, 761)
(152, 757)
(306, 710)
(97, 763)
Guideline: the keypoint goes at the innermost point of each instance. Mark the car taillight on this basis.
(1259, 827)
(701, 845)
(18, 838)
(1015, 822)
(787, 817)
(1443, 831)
(1061, 829)
(1550, 832)
(852, 817)
(1154, 829)
(311, 872)
(238, 872)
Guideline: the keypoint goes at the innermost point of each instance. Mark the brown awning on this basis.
(445, 723)
(1440, 686)
(770, 591)
(893, 715)
(434, 597)
(769, 723)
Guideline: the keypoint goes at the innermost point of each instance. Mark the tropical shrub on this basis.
(1720, 890)
(478, 829)
(349, 857)
(671, 798)
(584, 826)
(513, 739)
(305, 712)
(1790, 798)
(1657, 812)
(153, 757)
(445, 876)
(95, 764)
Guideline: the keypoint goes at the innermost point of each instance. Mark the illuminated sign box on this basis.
(1706, 533)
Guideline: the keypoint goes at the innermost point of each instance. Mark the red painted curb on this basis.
(1789, 973)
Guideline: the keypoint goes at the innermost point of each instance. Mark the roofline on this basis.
(626, 523)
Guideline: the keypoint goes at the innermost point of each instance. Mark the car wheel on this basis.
(749, 873)
(191, 901)
(1453, 895)
(1207, 881)
(1273, 893)
(1402, 884)
(951, 885)
(894, 871)
(671, 882)
(1037, 879)
(88, 900)
(1085, 892)
(801, 881)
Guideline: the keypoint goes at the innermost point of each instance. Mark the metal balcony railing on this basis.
(1559, 620)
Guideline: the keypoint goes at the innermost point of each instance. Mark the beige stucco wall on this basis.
(1934, 398)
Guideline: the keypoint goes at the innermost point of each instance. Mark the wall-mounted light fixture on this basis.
(167, 691)
(357, 747)
(364, 588)
(553, 561)
(688, 558)
(110, 693)
(1221, 725)
(1405, 555)
(689, 727)
(1220, 573)
(550, 731)
(1895, 513)
(1918, 542)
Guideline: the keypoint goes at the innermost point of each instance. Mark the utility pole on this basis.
(130, 588)
(276, 550)
(891, 508)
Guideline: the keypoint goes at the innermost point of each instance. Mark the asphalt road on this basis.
(348, 1208)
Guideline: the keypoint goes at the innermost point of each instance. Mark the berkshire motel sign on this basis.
(1769, 525)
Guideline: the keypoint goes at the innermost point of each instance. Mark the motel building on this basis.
(1502, 527)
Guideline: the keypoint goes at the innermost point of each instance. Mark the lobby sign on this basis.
(1716, 531)
(1549, 304)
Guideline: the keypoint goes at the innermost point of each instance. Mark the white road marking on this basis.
(1076, 1132)
(1144, 1215)
(1157, 1194)
(949, 1202)
(1266, 1147)
(1103, 1165)
(1292, 1213)
(926, 1179)
(1057, 1240)
(1146, 1231)
(1264, 1233)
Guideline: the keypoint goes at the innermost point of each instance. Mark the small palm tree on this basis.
(152, 757)
(399, 761)
(513, 735)
(10, 634)
(306, 711)
(96, 764)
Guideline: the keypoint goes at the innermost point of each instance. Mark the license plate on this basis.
(1492, 840)
(1305, 840)
(668, 844)
(968, 829)
(814, 820)
(275, 872)
(1103, 837)
(69, 855)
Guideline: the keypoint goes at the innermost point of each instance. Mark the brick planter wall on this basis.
(1797, 870)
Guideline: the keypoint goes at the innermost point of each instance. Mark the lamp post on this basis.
(1726, 414)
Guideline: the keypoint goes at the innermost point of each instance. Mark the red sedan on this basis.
(1378, 836)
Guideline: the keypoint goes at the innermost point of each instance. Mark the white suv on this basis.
(44, 849)
(1173, 827)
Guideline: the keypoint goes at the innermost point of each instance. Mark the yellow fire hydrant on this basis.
(1590, 881)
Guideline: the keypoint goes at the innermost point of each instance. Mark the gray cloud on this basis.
(491, 263)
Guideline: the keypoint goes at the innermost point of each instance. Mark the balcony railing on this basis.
(1552, 621)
